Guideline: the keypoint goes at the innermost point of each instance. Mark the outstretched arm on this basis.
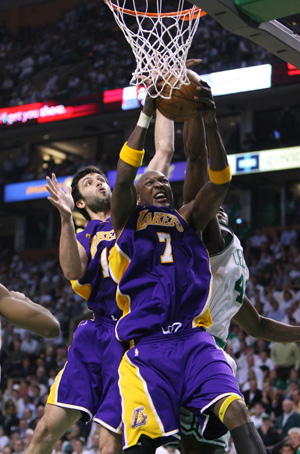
(212, 193)
(124, 198)
(24, 313)
(164, 144)
(164, 137)
(72, 257)
(265, 328)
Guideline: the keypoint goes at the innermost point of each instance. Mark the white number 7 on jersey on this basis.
(167, 256)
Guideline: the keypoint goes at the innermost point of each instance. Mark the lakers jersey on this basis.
(230, 274)
(163, 273)
(96, 286)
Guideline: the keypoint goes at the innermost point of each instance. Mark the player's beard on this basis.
(98, 204)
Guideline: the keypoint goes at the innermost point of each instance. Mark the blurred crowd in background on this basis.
(85, 53)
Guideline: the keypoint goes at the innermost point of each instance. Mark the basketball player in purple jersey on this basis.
(164, 285)
(87, 386)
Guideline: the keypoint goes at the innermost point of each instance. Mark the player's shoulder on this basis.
(93, 227)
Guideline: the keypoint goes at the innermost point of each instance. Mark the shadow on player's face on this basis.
(153, 188)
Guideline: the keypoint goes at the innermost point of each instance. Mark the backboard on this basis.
(280, 36)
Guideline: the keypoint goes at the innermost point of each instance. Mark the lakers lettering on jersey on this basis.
(163, 274)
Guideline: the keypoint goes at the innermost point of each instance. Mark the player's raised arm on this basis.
(131, 157)
(263, 327)
(164, 144)
(210, 197)
(72, 257)
(20, 311)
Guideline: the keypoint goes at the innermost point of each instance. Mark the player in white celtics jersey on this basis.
(230, 274)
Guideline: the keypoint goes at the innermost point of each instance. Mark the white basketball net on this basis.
(160, 43)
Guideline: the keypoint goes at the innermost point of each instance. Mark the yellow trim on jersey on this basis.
(204, 318)
(226, 404)
(123, 302)
(118, 263)
(131, 156)
(83, 290)
(139, 413)
(220, 176)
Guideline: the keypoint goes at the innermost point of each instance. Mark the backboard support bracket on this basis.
(272, 36)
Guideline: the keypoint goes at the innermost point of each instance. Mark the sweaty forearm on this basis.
(26, 314)
(69, 256)
(274, 331)
(265, 328)
(217, 152)
(196, 154)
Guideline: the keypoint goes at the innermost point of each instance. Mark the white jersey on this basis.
(230, 276)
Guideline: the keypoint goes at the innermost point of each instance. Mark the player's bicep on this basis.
(83, 258)
(124, 199)
(248, 317)
(207, 203)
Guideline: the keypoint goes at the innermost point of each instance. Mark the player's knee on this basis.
(110, 446)
(43, 431)
(110, 449)
(235, 414)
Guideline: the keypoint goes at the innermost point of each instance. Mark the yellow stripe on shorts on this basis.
(139, 413)
(52, 395)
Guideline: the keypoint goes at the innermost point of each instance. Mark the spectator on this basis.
(268, 432)
(95, 444)
(294, 438)
(78, 446)
(276, 313)
(286, 448)
(30, 345)
(4, 439)
(9, 419)
(253, 395)
(7, 450)
(258, 412)
(288, 236)
(264, 360)
(285, 357)
(289, 418)
(27, 438)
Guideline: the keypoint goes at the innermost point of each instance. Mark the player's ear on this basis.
(80, 204)
(138, 199)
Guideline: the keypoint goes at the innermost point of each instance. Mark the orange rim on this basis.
(183, 15)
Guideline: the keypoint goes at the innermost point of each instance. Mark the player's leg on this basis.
(192, 440)
(236, 418)
(109, 442)
(53, 425)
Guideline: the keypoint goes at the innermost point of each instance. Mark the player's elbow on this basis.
(221, 189)
(71, 276)
(52, 330)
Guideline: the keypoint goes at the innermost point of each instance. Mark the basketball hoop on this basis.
(160, 41)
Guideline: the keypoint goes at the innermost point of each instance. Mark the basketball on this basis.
(181, 106)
